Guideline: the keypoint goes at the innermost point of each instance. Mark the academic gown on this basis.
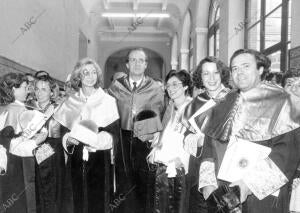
(92, 178)
(262, 116)
(133, 173)
(17, 185)
(50, 173)
(197, 203)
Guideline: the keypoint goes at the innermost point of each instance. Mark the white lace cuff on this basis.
(68, 149)
(264, 178)
(191, 143)
(207, 175)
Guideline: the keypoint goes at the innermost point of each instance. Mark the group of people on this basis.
(143, 146)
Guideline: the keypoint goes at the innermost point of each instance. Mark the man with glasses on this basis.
(135, 92)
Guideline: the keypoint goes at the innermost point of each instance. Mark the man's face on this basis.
(137, 63)
(245, 74)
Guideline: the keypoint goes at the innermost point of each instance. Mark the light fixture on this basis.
(132, 15)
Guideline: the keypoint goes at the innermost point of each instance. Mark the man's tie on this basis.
(134, 87)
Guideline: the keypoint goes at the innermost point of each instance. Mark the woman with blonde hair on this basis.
(91, 116)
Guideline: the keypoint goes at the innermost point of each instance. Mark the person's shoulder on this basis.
(155, 83)
(122, 81)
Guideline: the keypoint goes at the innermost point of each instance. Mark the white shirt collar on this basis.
(137, 82)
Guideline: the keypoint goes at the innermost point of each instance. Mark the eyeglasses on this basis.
(85, 73)
(135, 60)
(174, 85)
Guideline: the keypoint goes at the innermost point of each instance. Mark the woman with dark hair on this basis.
(168, 154)
(17, 185)
(212, 75)
(92, 117)
(50, 162)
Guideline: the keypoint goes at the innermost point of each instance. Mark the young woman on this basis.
(18, 183)
(90, 159)
(168, 152)
(50, 167)
(212, 76)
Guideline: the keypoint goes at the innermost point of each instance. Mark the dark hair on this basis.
(136, 49)
(289, 74)
(75, 76)
(260, 58)
(7, 83)
(277, 75)
(184, 77)
(221, 67)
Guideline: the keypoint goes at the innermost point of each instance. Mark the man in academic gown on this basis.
(135, 93)
(257, 113)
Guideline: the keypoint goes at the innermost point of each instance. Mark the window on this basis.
(214, 29)
(268, 30)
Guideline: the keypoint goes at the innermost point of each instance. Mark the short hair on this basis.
(7, 83)
(289, 74)
(184, 77)
(261, 60)
(136, 49)
(221, 67)
(75, 76)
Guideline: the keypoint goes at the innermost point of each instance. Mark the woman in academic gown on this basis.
(168, 151)
(17, 185)
(50, 162)
(91, 156)
(212, 76)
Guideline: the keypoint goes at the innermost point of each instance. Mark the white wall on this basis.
(51, 43)
(295, 28)
(106, 48)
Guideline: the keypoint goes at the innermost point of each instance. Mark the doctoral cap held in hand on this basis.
(85, 131)
(147, 122)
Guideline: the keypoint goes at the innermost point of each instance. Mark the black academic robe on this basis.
(50, 174)
(133, 173)
(196, 200)
(93, 179)
(17, 186)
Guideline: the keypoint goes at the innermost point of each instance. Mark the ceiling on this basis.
(134, 28)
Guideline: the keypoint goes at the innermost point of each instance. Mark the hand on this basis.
(178, 162)
(41, 136)
(146, 137)
(244, 190)
(207, 190)
(72, 141)
(194, 139)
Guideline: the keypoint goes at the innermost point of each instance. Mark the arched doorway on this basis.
(116, 62)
